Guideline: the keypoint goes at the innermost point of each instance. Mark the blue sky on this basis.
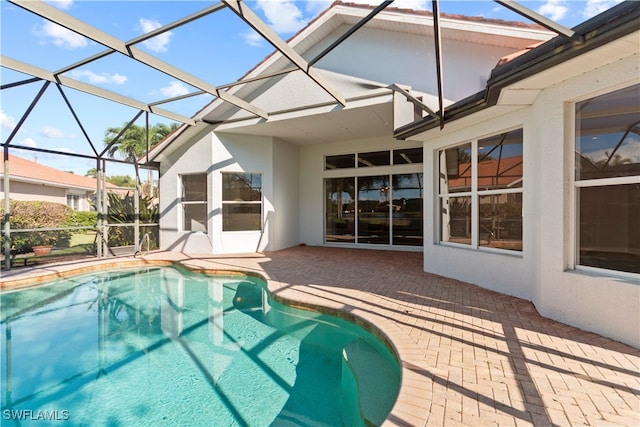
(218, 48)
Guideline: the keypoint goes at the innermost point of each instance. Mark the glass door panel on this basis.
(373, 209)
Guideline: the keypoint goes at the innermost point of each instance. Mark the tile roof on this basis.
(458, 17)
(20, 168)
(514, 55)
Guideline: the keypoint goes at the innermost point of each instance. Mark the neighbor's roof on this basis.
(21, 169)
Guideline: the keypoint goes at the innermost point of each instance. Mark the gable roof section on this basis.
(28, 171)
(618, 25)
(309, 42)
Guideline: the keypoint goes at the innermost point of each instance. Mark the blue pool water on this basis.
(164, 346)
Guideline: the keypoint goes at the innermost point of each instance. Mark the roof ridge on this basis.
(33, 170)
(456, 16)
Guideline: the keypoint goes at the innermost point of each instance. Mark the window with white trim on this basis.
(193, 202)
(241, 201)
(480, 192)
(607, 180)
(73, 201)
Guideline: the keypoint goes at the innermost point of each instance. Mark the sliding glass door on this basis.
(378, 209)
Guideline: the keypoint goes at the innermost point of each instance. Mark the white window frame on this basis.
(475, 195)
(359, 172)
(574, 234)
(77, 198)
(244, 202)
(184, 203)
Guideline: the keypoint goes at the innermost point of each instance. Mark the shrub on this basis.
(37, 214)
(83, 219)
(122, 210)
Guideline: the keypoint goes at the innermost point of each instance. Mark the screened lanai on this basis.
(64, 84)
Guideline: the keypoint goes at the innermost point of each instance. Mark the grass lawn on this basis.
(80, 245)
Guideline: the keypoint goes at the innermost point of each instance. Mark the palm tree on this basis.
(133, 143)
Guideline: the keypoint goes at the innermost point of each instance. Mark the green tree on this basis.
(132, 145)
(93, 173)
(122, 181)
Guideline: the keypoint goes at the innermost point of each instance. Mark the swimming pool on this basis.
(166, 346)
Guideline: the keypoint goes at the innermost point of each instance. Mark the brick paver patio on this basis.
(469, 356)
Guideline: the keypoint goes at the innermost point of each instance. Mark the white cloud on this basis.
(28, 142)
(158, 43)
(282, 15)
(59, 36)
(252, 38)
(175, 88)
(102, 78)
(51, 132)
(317, 6)
(61, 4)
(7, 122)
(629, 150)
(594, 7)
(554, 9)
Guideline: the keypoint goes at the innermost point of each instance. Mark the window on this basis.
(340, 210)
(73, 201)
(407, 155)
(378, 209)
(241, 201)
(373, 209)
(343, 161)
(407, 209)
(607, 180)
(400, 156)
(194, 202)
(375, 158)
(480, 192)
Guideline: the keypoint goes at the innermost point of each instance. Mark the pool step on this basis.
(369, 384)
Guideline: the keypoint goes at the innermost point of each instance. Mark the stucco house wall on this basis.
(215, 153)
(190, 158)
(31, 191)
(605, 302)
(506, 272)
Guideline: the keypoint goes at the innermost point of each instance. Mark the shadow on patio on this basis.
(481, 357)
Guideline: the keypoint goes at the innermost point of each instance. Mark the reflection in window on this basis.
(241, 201)
(608, 180)
(373, 209)
(194, 202)
(369, 216)
(343, 161)
(407, 156)
(340, 209)
(401, 156)
(456, 219)
(496, 192)
(407, 209)
(500, 222)
(499, 191)
(500, 161)
(455, 169)
(375, 158)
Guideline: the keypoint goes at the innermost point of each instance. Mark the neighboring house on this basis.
(529, 186)
(30, 180)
